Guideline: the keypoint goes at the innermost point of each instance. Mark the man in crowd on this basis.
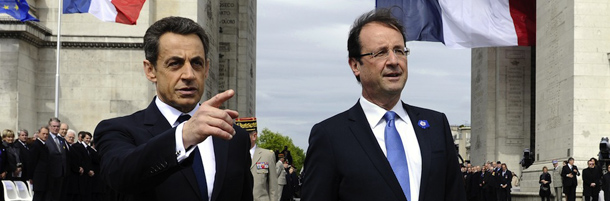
(40, 166)
(381, 148)
(557, 181)
(63, 129)
(281, 178)
(24, 154)
(176, 148)
(591, 181)
(263, 161)
(74, 160)
(57, 161)
(569, 175)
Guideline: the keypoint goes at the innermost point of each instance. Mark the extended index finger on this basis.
(220, 98)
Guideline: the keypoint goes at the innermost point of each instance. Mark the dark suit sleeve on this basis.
(322, 180)
(129, 166)
(249, 180)
(34, 156)
(454, 187)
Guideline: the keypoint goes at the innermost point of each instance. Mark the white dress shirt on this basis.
(252, 152)
(374, 115)
(206, 148)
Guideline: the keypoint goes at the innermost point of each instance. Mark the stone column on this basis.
(501, 101)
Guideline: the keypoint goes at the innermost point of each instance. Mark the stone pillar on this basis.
(501, 101)
(237, 67)
(19, 57)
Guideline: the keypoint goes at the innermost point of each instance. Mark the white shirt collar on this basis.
(170, 113)
(374, 113)
(252, 151)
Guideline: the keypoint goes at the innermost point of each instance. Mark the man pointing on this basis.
(176, 148)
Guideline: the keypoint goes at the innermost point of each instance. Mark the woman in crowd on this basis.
(545, 188)
(12, 162)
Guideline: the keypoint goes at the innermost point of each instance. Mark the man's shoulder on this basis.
(421, 110)
(340, 117)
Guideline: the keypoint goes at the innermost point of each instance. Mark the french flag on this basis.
(467, 23)
(120, 11)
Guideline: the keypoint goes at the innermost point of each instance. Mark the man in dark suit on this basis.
(40, 162)
(591, 181)
(58, 165)
(24, 154)
(382, 148)
(176, 148)
(569, 174)
(84, 168)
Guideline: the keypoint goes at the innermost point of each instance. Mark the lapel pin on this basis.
(423, 124)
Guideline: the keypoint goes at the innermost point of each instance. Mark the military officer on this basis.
(263, 164)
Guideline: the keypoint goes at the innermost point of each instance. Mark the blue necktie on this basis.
(396, 153)
(197, 165)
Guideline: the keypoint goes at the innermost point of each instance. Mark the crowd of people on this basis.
(564, 180)
(59, 163)
(490, 182)
(493, 181)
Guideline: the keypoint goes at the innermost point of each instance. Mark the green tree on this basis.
(276, 141)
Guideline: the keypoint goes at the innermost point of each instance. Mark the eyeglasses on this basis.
(401, 53)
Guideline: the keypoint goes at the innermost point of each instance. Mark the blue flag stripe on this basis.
(421, 18)
(76, 6)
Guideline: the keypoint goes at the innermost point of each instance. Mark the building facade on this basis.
(553, 99)
(101, 73)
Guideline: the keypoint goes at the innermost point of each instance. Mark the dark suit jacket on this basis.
(40, 162)
(79, 152)
(589, 176)
(506, 179)
(138, 161)
(546, 177)
(24, 156)
(345, 162)
(57, 158)
(569, 181)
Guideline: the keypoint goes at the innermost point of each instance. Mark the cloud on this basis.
(303, 76)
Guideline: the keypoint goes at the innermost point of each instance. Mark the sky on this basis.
(302, 74)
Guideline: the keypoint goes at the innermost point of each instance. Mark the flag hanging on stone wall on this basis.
(120, 11)
(467, 23)
(19, 9)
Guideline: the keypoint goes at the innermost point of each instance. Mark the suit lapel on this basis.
(361, 130)
(189, 175)
(154, 121)
(221, 152)
(424, 146)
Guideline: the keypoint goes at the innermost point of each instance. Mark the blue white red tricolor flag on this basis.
(467, 23)
(120, 11)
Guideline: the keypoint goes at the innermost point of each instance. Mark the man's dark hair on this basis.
(380, 15)
(177, 25)
(25, 131)
(54, 119)
(43, 127)
(82, 134)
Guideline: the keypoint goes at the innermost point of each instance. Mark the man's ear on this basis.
(355, 66)
(207, 68)
(150, 71)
